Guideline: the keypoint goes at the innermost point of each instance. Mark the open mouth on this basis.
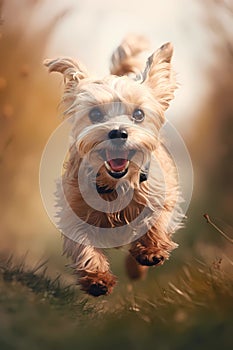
(117, 162)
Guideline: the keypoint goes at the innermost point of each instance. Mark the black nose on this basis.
(118, 134)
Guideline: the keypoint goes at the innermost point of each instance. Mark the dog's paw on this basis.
(150, 259)
(97, 283)
(148, 256)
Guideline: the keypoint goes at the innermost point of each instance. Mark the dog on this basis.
(119, 185)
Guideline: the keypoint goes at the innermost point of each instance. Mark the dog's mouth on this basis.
(117, 162)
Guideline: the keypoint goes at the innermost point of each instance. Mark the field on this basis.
(189, 306)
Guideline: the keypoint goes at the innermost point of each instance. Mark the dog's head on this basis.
(117, 119)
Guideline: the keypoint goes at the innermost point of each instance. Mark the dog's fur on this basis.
(132, 84)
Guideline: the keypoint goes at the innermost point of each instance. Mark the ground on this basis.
(186, 307)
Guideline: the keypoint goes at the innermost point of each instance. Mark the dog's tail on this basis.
(127, 58)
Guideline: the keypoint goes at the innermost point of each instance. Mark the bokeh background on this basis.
(201, 32)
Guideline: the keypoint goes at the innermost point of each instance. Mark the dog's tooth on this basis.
(126, 166)
(107, 166)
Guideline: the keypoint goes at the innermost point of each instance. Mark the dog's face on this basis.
(117, 126)
(117, 119)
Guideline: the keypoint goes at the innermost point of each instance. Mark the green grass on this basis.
(187, 308)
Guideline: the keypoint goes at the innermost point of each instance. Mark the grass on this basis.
(192, 309)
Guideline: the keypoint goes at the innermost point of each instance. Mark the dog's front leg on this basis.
(92, 268)
(153, 248)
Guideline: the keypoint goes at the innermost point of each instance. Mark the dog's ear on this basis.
(159, 76)
(72, 72)
(71, 69)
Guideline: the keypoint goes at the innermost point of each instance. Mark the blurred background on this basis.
(29, 98)
(31, 30)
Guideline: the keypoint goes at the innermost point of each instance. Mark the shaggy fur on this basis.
(153, 214)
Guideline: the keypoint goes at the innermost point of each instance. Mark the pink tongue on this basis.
(117, 164)
(117, 159)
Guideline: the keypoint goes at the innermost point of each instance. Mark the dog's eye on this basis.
(96, 115)
(138, 115)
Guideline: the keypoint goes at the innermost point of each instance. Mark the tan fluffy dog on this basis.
(119, 181)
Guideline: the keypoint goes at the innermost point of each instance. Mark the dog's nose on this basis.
(118, 134)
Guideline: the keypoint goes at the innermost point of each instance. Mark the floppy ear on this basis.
(159, 76)
(73, 72)
(71, 69)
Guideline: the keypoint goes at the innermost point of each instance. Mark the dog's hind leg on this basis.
(91, 267)
(135, 270)
(126, 59)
